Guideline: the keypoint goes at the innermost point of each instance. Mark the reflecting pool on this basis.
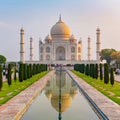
(60, 99)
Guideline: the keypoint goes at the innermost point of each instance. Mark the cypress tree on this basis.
(21, 72)
(93, 71)
(15, 77)
(90, 70)
(106, 73)
(34, 69)
(37, 68)
(111, 77)
(28, 71)
(1, 82)
(9, 75)
(82, 68)
(25, 71)
(87, 70)
(101, 72)
(46, 67)
(96, 71)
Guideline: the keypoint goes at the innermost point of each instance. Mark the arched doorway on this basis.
(60, 53)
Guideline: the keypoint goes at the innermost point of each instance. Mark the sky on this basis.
(38, 16)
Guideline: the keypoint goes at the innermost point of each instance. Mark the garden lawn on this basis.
(112, 92)
(9, 92)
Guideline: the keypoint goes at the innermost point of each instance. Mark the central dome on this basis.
(60, 31)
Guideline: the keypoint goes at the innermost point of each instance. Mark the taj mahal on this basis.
(60, 47)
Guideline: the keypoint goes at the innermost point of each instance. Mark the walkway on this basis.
(117, 78)
(111, 109)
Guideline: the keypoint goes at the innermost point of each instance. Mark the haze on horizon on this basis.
(38, 16)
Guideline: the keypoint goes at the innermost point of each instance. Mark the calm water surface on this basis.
(61, 99)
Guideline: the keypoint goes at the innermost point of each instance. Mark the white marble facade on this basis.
(60, 46)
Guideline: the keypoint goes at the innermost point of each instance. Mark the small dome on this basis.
(65, 102)
(72, 37)
(22, 30)
(98, 29)
(48, 37)
(80, 41)
(60, 31)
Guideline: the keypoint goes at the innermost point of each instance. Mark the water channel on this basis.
(61, 99)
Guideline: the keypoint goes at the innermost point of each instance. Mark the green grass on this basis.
(9, 92)
(112, 92)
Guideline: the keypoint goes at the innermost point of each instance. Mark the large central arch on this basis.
(60, 53)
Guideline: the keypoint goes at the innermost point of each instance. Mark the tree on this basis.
(111, 77)
(106, 73)
(90, 70)
(15, 77)
(25, 71)
(116, 57)
(13, 64)
(28, 71)
(9, 75)
(87, 70)
(101, 72)
(2, 59)
(0, 77)
(106, 54)
(96, 71)
(20, 72)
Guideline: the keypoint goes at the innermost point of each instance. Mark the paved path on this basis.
(110, 108)
(117, 78)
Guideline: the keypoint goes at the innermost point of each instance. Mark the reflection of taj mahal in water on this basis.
(59, 47)
(68, 91)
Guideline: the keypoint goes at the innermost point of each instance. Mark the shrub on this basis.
(96, 71)
(87, 70)
(106, 73)
(21, 72)
(111, 77)
(1, 77)
(9, 75)
(101, 72)
(15, 77)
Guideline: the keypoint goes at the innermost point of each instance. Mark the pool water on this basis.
(60, 99)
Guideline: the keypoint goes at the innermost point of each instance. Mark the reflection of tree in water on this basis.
(48, 83)
(68, 91)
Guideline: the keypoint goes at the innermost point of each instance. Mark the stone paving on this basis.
(109, 108)
(117, 78)
(15, 108)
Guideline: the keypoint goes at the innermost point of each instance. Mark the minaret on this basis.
(89, 48)
(31, 49)
(22, 46)
(98, 45)
(40, 43)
